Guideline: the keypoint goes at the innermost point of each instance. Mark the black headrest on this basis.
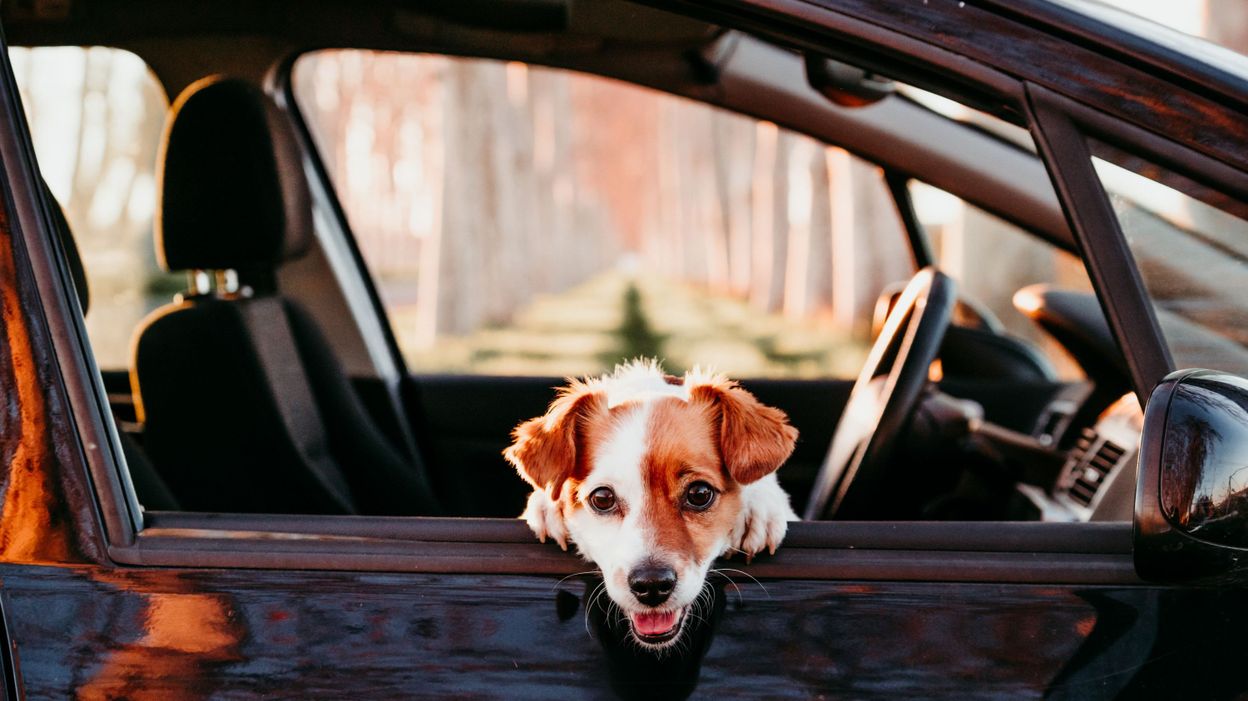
(61, 230)
(232, 191)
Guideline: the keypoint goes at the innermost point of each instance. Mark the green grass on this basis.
(586, 330)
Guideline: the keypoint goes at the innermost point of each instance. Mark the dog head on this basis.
(646, 471)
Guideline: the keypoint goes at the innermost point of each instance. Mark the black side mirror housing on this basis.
(1191, 504)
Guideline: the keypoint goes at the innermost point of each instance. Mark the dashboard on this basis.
(1097, 480)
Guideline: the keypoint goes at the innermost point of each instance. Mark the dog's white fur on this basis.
(618, 545)
(764, 519)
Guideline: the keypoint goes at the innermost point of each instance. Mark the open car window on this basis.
(522, 220)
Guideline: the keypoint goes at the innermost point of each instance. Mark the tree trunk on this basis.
(819, 275)
(469, 200)
(764, 203)
(868, 246)
(778, 258)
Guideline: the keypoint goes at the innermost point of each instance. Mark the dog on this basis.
(653, 477)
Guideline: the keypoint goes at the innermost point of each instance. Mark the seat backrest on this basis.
(230, 383)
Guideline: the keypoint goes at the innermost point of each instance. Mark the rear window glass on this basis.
(96, 116)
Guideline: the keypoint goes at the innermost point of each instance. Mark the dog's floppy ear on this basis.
(546, 450)
(754, 439)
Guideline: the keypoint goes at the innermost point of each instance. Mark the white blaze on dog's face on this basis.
(646, 474)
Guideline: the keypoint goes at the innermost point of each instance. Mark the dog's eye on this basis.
(602, 499)
(699, 496)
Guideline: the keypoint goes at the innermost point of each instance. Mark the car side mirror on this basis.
(1191, 503)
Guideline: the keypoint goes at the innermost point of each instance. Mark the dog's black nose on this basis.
(652, 584)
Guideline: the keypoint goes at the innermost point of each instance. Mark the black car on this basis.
(256, 497)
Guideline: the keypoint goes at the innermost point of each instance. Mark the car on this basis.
(255, 497)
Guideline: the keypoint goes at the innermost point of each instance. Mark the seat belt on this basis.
(274, 341)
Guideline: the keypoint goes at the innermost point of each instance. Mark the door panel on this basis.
(98, 633)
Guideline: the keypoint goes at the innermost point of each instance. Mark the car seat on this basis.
(244, 404)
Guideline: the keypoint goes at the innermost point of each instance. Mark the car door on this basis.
(103, 600)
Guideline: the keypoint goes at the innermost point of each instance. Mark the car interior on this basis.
(272, 383)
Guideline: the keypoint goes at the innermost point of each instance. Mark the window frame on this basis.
(1021, 552)
(920, 243)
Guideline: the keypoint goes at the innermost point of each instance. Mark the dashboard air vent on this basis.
(1091, 461)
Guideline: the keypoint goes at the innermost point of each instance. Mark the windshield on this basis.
(1192, 255)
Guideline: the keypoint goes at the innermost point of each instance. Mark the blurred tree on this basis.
(635, 337)
(96, 116)
(1226, 23)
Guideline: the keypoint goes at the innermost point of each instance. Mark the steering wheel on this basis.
(854, 477)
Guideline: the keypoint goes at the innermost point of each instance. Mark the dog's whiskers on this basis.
(592, 600)
(574, 574)
(721, 570)
(730, 581)
(705, 598)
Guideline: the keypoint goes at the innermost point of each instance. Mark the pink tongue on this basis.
(654, 623)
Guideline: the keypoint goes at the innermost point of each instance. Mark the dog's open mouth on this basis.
(657, 627)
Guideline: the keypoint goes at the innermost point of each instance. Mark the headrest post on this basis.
(227, 283)
(199, 283)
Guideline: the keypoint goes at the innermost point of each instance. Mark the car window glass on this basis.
(532, 221)
(959, 112)
(95, 117)
(1193, 258)
(992, 259)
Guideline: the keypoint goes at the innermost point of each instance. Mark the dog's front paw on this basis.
(764, 518)
(545, 519)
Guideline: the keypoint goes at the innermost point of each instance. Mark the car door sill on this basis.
(1093, 553)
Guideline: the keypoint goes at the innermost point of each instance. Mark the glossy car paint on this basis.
(858, 617)
(88, 632)
(106, 633)
(45, 504)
